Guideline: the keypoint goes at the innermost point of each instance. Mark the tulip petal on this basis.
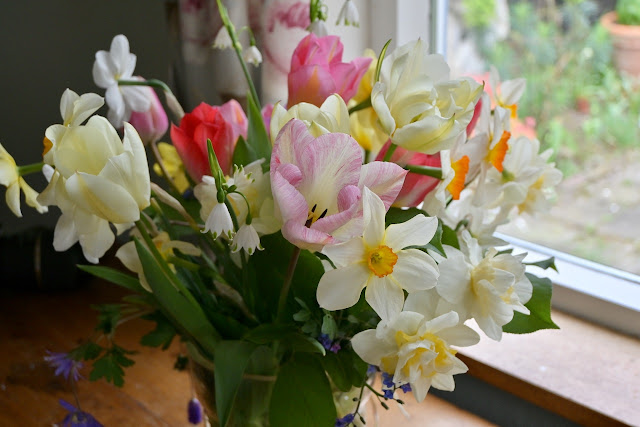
(305, 237)
(383, 178)
(311, 83)
(65, 233)
(96, 244)
(340, 288)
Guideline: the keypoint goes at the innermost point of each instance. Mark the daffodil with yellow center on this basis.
(415, 346)
(380, 261)
(10, 178)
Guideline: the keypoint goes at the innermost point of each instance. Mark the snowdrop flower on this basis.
(219, 221)
(487, 288)
(252, 56)
(349, 14)
(10, 178)
(416, 349)
(223, 39)
(108, 68)
(319, 28)
(128, 254)
(246, 238)
(379, 261)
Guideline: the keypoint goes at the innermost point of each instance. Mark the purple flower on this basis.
(372, 369)
(77, 418)
(335, 347)
(388, 393)
(194, 411)
(406, 387)
(345, 421)
(64, 365)
(387, 380)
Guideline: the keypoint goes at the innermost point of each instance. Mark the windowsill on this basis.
(583, 372)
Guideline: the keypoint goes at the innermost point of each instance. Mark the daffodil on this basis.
(110, 67)
(128, 255)
(173, 165)
(381, 261)
(416, 349)
(506, 93)
(487, 287)
(10, 178)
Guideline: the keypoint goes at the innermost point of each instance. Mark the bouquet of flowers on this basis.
(298, 249)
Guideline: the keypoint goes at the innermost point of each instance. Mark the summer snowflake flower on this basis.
(487, 288)
(118, 64)
(10, 178)
(252, 56)
(223, 39)
(416, 349)
(380, 262)
(349, 14)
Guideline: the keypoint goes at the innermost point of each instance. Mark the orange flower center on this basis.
(48, 145)
(460, 167)
(497, 153)
(381, 261)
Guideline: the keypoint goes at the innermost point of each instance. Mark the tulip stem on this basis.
(425, 170)
(284, 292)
(389, 153)
(226, 21)
(29, 169)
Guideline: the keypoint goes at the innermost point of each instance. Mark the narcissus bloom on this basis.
(486, 287)
(118, 64)
(317, 184)
(10, 178)
(317, 71)
(419, 107)
(416, 349)
(380, 262)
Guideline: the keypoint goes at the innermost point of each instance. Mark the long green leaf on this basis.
(231, 359)
(540, 307)
(114, 276)
(257, 136)
(189, 317)
(302, 395)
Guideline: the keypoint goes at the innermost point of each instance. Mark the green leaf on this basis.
(287, 335)
(163, 333)
(540, 307)
(188, 316)
(450, 237)
(544, 264)
(107, 318)
(86, 351)
(436, 241)
(302, 395)
(257, 136)
(230, 358)
(398, 215)
(110, 365)
(114, 276)
(329, 326)
(243, 154)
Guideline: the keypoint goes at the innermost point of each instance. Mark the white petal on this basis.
(95, 245)
(373, 218)
(104, 71)
(418, 231)
(454, 279)
(340, 288)
(65, 233)
(67, 100)
(84, 107)
(369, 347)
(415, 270)
(461, 336)
(349, 252)
(12, 197)
(385, 297)
(115, 101)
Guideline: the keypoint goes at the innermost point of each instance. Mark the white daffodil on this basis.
(417, 350)
(527, 179)
(331, 117)
(252, 56)
(506, 94)
(74, 109)
(10, 178)
(98, 179)
(128, 254)
(487, 288)
(118, 64)
(380, 262)
(454, 179)
(349, 14)
(223, 39)
(418, 105)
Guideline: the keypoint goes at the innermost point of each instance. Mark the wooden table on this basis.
(154, 393)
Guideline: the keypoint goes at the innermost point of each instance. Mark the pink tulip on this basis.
(153, 123)
(317, 71)
(222, 125)
(415, 186)
(317, 184)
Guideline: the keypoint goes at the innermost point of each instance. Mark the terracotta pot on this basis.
(626, 44)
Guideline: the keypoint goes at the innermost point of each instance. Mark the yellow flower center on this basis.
(381, 261)
(48, 145)
(460, 168)
(499, 151)
(438, 346)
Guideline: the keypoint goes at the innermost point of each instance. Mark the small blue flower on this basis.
(372, 369)
(64, 365)
(325, 341)
(388, 393)
(335, 347)
(194, 411)
(77, 418)
(387, 380)
(345, 421)
(406, 387)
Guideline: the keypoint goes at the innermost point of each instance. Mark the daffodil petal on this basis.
(373, 218)
(385, 297)
(418, 231)
(340, 288)
(343, 254)
(415, 270)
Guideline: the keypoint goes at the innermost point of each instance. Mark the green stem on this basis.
(224, 15)
(29, 169)
(425, 170)
(284, 292)
(151, 82)
(389, 153)
(361, 106)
